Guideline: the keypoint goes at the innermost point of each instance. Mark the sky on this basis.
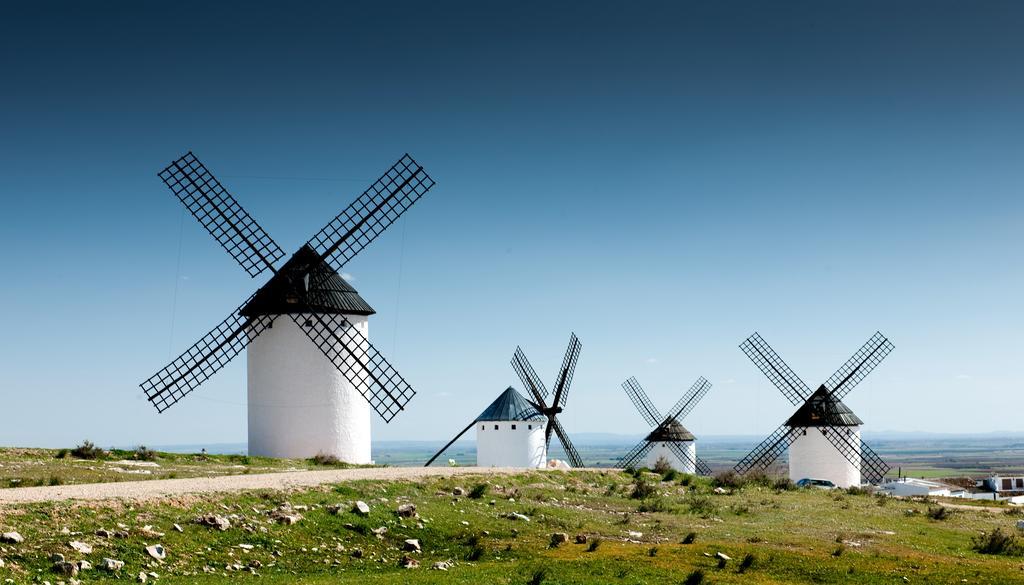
(662, 178)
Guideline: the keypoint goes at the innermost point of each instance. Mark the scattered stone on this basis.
(153, 575)
(1, 563)
(287, 519)
(441, 566)
(458, 491)
(412, 545)
(581, 539)
(334, 509)
(380, 531)
(408, 562)
(721, 490)
(722, 556)
(81, 547)
(407, 511)
(492, 503)
(558, 538)
(255, 564)
(84, 565)
(361, 508)
(635, 535)
(121, 534)
(103, 533)
(12, 538)
(357, 553)
(178, 528)
(57, 558)
(517, 516)
(112, 565)
(142, 578)
(246, 546)
(65, 568)
(213, 521)
(148, 532)
(156, 551)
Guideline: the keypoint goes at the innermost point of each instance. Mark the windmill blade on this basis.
(769, 449)
(371, 375)
(642, 402)
(574, 457)
(681, 453)
(449, 444)
(565, 373)
(370, 214)
(210, 203)
(872, 467)
(203, 359)
(769, 362)
(689, 400)
(859, 366)
(702, 467)
(635, 455)
(529, 377)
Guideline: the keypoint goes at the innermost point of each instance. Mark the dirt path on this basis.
(146, 490)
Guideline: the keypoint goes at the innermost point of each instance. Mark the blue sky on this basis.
(663, 179)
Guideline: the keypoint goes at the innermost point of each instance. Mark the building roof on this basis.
(673, 431)
(322, 291)
(823, 410)
(510, 405)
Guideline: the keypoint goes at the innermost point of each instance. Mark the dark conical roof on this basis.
(822, 410)
(510, 405)
(327, 291)
(673, 431)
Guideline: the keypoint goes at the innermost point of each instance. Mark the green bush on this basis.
(746, 563)
(939, 513)
(478, 491)
(694, 578)
(87, 450)
(662, 466)
(689, 538)
(538, 576)
(642, 489)
(997, 543)
(143, 454)
(325, 459)
(594, 544)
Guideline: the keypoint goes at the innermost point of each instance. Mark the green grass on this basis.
(792, 535)
(37, 467)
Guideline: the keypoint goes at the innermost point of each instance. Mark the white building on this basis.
(665, 440)
(912, 486)
(813, 454)
(510, 433)
(300, 404)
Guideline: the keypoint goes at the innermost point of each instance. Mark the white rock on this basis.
(142, 578)
(156, 551)
(81, 547)
(12, 537)
(361, 508)
(634, 534)
(84, 565)
(112, 565)
(412, 545)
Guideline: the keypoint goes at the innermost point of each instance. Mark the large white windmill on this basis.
(312, 376)
(823, 435)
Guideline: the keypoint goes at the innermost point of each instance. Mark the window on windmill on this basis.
(495, 427)
(513, 427)
(483, 427)
(529, 427)
(1020, 482)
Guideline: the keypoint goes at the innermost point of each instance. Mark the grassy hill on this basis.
(645, 529)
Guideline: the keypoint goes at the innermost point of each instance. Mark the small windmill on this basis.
(823, 435)
(669, 438)
(519, 442)
(304, 397)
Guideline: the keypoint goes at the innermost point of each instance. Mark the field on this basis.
(771, 534)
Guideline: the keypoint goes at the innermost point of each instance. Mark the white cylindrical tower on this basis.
(675, 433)
(510, 433)
(813, 455)
(300, 404)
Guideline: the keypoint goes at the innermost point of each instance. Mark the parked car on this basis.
(821, 484)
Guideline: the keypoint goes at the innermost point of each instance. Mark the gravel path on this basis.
(152, 489)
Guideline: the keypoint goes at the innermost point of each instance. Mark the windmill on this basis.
(823, 435)
(303, 398)
(669, 438)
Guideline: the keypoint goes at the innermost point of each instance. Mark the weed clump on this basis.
(642, 489)
(324, 459)
(593, 545)
(939, 513)
(689, 538)
(538, 577)
(87, 450)
(143, 453)
(747, 563)
(694, 578)
(662, 466)
(478, 491)
(997, 543)
(700, 505)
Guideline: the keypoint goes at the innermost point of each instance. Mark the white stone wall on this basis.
(812, 455)
(299, 403)
(661, 449)
(508, 447)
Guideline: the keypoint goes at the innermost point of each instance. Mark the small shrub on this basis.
(475, 553)
(324, 459)
(670, 475)
(939, 513)
(538, 577)
(652, 552)
(689, 538)
(87, 450)
(746, 563)
(839, 551)
(593, 545)
(55, 480)
(881, 499)
(694, 578)
(997, 543)
(856, 490)
(662, 466)
(63, 453)
(1015, 511)
(783, 484)
(144, 454)
(642, 489)
(741, 510)
(478, 491)
(700, 505)
(685, 479)
(652, 505)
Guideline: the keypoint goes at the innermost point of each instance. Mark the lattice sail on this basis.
(681, 453)
(642, 402)
(702, 467)
(859, 365)
(355, 357)
(203, 359)
(210, 203)
(372, 212)
(872, 467)
(565, 373)
(570, 451)
(635, 455)
(769, 362)
(689, 400)
(769, 449)
(529, 377)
